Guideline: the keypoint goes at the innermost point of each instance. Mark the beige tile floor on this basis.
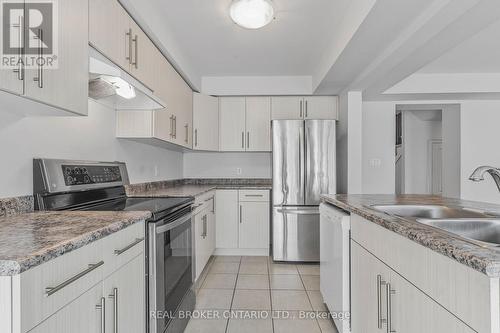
(262, 296)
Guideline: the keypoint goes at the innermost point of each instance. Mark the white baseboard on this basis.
(242, 252)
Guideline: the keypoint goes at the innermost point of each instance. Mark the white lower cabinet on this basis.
(125, 299)
(243, 222)
(204, 231)
(83, 315)
(254, 225)
(383, 301)
(101, 285)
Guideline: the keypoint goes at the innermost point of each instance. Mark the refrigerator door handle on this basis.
(298, 212)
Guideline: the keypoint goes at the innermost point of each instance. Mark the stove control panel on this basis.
(90, 174)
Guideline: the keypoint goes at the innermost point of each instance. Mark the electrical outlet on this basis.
(238, 171)
(375, 163)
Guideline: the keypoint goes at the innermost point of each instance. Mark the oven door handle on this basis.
(170, 226)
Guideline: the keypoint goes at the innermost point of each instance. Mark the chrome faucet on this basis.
(478, 174)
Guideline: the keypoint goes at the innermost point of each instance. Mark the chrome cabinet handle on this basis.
(135, 62)
(248, 140)
(39, 78)
(20, 69)
(102, 307)
(114, 296)
(300, 112)
(196, 137)
(171, 126)
(52, 290)
(243, 140)
(389, 292)
(129, 56)
(253, 195)
(175, 127)
(204, 235)
(307, 109)
(128, 247)
(380, 283)
(187, 133)
(241, 214)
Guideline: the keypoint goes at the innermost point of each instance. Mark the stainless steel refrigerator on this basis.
(304, 167)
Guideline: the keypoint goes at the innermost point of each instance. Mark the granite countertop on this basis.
(483, 259)
(191, 190)
(30, 239)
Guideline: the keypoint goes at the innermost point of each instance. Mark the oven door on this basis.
(170, 270)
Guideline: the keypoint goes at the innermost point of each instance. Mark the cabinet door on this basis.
(144, 57)
(12, 79)
(412, 311)
(66, 86)
(226, 210)
(368, 309)
(287, 107)
(109, 27)
(254, 225)
(184, 115)
(205, 122)
(320, 107)
(232, 124)
(258, 123)
(201, 242)
(80, 316)
(125, 292)
(211, 233)
(171, 122)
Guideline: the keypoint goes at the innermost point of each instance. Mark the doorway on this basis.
(427, 150)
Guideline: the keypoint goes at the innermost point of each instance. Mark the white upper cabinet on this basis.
(258, 123)
(143, 53)
(320, 107)
(309, 107)
(205, 122)
(286, 107)
(245, 123)
(232, 123)
(109, 31)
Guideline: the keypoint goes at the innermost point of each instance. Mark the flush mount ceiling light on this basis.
(252, 14)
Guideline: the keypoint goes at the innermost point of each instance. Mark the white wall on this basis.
(355, 142)
(451, 151)
(224, 165)
(479, 138)
(378, 156)
(88, 138)
(416, 135)
(256, 85)
(480, 146)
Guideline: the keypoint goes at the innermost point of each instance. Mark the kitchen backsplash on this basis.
(16, 205)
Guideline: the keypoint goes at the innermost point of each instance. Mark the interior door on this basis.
(320, 166)
(296, 234)
(288, 162)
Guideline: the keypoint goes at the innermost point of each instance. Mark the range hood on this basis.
(115, 88)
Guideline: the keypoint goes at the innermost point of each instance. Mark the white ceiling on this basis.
(291, 45)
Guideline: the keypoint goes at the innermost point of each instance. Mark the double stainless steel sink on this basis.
(482, 228)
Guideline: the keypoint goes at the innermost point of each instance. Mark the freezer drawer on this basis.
(296, 233)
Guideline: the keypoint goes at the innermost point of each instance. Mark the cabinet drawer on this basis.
(43, 290)
(203, 202)
(254, 195)
(123, 246)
